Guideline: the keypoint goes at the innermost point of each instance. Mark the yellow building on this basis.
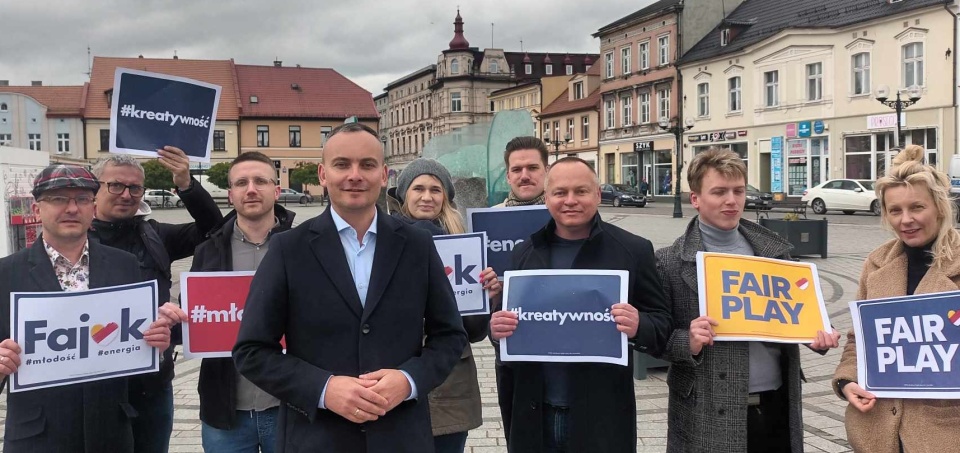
(570, 124)
(795, 92)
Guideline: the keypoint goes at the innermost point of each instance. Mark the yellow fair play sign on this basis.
(761, 299)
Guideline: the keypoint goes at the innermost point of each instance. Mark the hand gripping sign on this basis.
(506, 228)
(151, 110)
(907, 346)
(564, 316)
(214, 302)
(464, 257)
(83, 336)
(761, 299)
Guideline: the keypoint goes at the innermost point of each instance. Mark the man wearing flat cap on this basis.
(85, 417)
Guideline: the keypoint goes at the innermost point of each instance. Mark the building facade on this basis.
(43, 118)
(640, 86)
(570, 124)
(798, 101)
(408, 118)
(288, 112)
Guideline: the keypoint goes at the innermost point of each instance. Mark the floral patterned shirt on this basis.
(72, 277)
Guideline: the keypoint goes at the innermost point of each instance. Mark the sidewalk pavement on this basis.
(822, 410)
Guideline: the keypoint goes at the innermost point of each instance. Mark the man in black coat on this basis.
(120, 223)
(370, 319)
(583, 406)
(88, 417)
(237, 415)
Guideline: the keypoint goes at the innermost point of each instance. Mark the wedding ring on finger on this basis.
(356, 412)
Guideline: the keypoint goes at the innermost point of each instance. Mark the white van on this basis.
(218, 194)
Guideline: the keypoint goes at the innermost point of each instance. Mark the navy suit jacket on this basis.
(91, 417)
(303, 290)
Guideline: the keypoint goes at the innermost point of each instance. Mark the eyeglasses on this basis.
(117, 188)
(258, 183)
(61, 201)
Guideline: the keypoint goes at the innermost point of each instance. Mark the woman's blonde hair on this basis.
(449, 216)
(908, 170)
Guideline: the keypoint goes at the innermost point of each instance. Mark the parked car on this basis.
(621, 195)
(293, 196)
(757, 200)
(162, 198)
(847, 195)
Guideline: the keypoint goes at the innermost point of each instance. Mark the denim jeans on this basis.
(555, 429)
(254, 432)
(450, 443)
(154, 421)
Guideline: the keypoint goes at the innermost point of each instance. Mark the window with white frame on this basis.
(861, 73)
(456, 104)
(625, 60)
(6, 139)
(494, 67)
(569, 69)
(663, 43)
(608, 63)
(771, 88)
(663, 101)
(734, 85)
(528, 69)
(455, 66)
(63, 143)
(570, 126)
(814, 81)
(556, 131)
(3, 106)
(585, 127)
(644, 99)
(608, 111)
(548, 69)
(626, 110)
(724, 37)
(644, 54)
(913, 64)
(33, 142)
(703, 99)
(578, 90)
(546, 130)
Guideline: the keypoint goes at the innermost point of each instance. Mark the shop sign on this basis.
(791, 130)
(886, 121)
(642, 146)
(741, 133)
(797, 147)
(818, 127)
(693, 138)
(804, 128)
(730, 135)
(776, 164)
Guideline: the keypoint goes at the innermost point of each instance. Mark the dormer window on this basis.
(494, 67)
(724, 36)
(577, 90)
(454, 66)
(528, 69)
(549, 69)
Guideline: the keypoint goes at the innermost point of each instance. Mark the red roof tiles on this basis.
(319, 93)
(59, 100)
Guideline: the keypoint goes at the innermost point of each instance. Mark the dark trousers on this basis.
(556, 429)
(504, 388)
(768, 422)
(450, 443)
(154, 422)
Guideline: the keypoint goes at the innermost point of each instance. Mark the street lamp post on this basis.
(556, 145)
(883, 96)
(674, 127)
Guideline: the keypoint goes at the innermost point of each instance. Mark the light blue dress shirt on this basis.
(360, 259)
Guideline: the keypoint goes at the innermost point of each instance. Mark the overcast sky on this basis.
(371, 42)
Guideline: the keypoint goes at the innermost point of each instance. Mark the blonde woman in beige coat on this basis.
(924, 258)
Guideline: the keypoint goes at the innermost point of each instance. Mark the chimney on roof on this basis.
(176, 57)
(36, 83)
(277, 63)
(140, 57)
(295, 86)
(4, 83)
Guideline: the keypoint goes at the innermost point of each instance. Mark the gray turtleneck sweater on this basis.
(765, 371)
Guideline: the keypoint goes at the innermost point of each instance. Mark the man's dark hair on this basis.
(353, 127)
(250, 156)
(527, 142)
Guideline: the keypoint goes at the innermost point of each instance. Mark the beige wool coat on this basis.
(924, 426)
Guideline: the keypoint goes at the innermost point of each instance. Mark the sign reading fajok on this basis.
(83, 336)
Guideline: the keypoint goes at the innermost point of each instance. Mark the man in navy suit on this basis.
(91, 417)
(369, 316)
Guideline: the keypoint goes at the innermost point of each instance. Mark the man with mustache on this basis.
(121, 222)
(89, 417)
(369, 316)
(235, 414)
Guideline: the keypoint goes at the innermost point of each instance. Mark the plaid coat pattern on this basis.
(708, 394)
